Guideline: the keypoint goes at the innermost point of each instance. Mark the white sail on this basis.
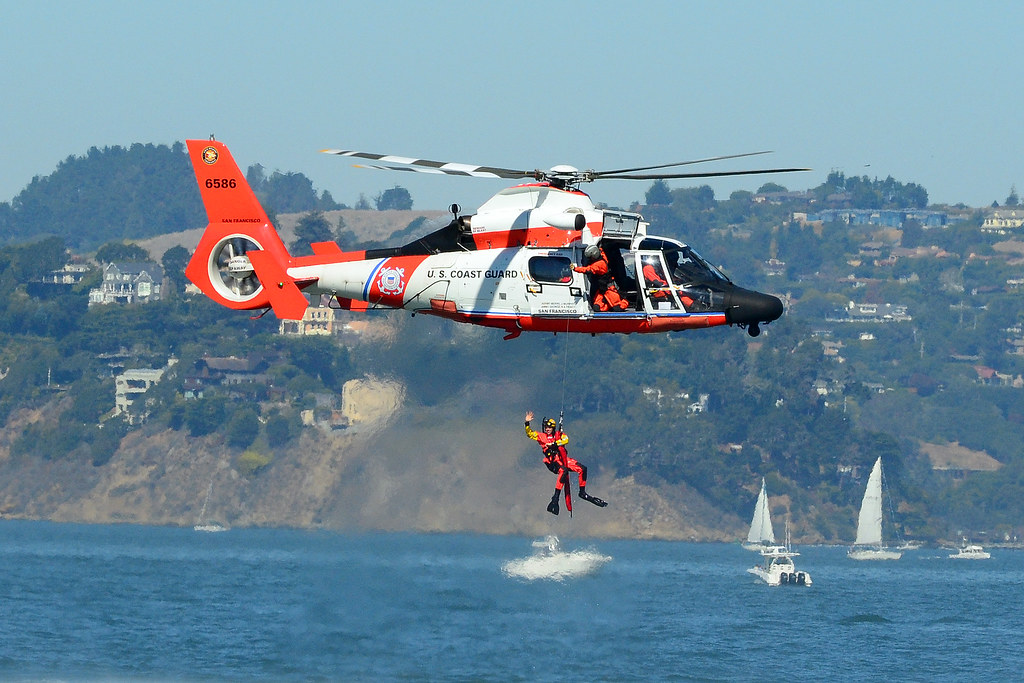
(761, 525)
(869, 524)
(868, 545)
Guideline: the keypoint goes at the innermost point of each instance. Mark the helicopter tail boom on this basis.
(240, 262)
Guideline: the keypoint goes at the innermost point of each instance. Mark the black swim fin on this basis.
(593, 499)
(553, 507)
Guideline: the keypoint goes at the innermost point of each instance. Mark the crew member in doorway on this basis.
(604, 294)
(556, 458)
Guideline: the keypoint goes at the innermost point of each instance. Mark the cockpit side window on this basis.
(551, 269)
(687, 267)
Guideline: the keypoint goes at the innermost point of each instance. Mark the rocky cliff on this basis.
(396, 467)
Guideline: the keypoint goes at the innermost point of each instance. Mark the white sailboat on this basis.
(868, 545)
(203, 525)
(761, 534)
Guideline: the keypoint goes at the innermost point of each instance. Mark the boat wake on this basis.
(549, 561)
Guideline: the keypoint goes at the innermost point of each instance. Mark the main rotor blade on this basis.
(600, 174)
(420, 165)
(718, 174)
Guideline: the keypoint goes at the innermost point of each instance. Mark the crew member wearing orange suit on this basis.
(655, 281)
(556, 458)
(603, 291)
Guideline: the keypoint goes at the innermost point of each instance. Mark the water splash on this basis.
(549, 561)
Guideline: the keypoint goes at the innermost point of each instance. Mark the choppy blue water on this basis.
(132, 602)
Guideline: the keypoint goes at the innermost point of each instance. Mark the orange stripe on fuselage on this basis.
(390, 279)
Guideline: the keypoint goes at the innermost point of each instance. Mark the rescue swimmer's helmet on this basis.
(592, 253)
(549, 422)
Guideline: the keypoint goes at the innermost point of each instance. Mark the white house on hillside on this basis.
(126, 283)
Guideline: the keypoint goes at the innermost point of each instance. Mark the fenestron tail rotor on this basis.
(237, 277)
(559, 176)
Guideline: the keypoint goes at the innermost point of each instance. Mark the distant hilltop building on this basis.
(126, 283)
(1004, 221)
(871, 313)
(886, 218)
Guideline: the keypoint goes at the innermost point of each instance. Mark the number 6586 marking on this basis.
(220, 183)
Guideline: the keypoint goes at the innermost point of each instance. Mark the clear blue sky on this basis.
(927, 92)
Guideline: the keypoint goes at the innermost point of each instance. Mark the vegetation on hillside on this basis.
(713, 409)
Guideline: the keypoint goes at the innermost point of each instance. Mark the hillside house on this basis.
(70, 274)
(320, 320)
(887, 218)
(244, 378)
(129, 387)
(126, 283)
(871, 313)
(1004, 221)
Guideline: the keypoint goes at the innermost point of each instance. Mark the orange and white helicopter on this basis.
(509, 266)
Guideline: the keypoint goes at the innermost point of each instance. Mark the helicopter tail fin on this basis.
(240, 262)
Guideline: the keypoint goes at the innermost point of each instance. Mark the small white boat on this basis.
(761, 534)
(868, 545)
(778, 568)
(971, 552)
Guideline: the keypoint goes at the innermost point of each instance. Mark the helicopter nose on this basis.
(747, 307)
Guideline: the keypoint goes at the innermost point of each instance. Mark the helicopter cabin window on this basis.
(554, 269)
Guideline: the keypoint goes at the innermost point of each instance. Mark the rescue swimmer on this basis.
(552, 443)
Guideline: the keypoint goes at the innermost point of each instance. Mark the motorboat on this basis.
(971, 552)
(777, 567)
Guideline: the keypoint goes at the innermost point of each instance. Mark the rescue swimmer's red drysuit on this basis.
(556, 458)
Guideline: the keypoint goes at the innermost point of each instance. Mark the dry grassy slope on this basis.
(367, 225)
(411, 469)
(953, 456)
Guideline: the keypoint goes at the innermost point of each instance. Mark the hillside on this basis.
(901, 339)
(388, 472)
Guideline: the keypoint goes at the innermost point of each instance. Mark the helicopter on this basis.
(509, 266)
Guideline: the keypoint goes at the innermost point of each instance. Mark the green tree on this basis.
(289, 193)
(205, 416)
(174, 262)
(278, 430)
(116, 252)
(658, 194)
(243, 427)
(1012, 199)
(395, 198)
(913, 233)
(312, 227)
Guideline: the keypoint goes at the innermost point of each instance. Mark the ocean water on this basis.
(130, 602)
